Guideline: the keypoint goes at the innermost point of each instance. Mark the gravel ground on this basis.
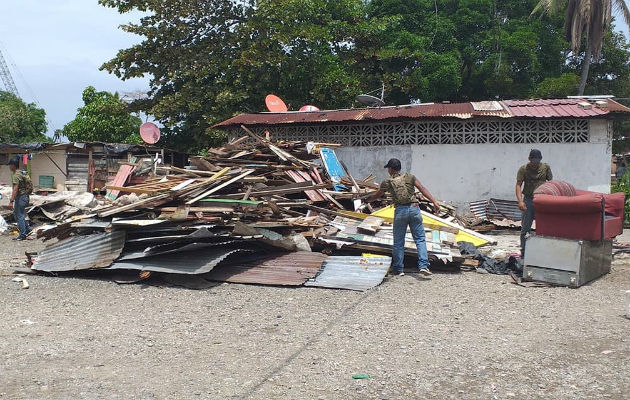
(455, 336)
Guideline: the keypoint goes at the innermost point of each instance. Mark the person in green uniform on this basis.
(528, 178)
(22, 189)
(402, 188)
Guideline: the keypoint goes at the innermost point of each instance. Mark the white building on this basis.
(462, 152)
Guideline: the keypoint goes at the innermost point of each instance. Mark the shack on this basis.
(461, 151)
(78, 166)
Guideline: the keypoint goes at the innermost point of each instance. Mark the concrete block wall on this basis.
(461, 173)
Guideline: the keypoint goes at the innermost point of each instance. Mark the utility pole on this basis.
(7, 79)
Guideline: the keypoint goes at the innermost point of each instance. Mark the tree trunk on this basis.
(586, 64)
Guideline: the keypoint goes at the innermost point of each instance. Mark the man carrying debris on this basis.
(402, 188)
(530, 176)
(22, 188)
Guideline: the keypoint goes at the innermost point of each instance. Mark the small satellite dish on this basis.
(150, 133)
(370, 101)
(275, 103)
(309, 108)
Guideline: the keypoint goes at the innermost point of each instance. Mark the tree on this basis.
(211, 59)
(104, 117)
(21, 122)
(589, 18)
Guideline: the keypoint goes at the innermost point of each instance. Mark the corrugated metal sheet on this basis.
(560, 108)
(192, 262)
(552, 108)
(81, 252)
(169, 248)
(351, 272)
(411, 111)
(291, 269)
(496, 209)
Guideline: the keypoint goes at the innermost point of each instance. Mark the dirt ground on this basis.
(456, 336)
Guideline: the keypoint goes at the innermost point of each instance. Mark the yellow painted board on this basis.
(464, 235)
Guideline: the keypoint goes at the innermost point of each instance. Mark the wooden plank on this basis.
(121, 177)
(270, 192)
(132, 189)
(311, 194)
(221, 186)
(182, 185)
(371, 224)
(116, 210)
(206, 181)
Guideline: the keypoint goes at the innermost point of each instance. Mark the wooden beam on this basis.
(221, 186)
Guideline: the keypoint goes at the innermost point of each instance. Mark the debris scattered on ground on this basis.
(252, 211)
(24, 282)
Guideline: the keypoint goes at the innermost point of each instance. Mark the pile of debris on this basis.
(251, 211)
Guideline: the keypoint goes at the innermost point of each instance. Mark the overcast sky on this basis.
(58, 46)
(55, 47)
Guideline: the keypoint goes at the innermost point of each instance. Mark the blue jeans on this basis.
(526, 220)
(409, 215)
(19, 213)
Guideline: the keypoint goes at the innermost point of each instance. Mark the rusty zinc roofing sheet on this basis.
(352, 272)
(81, 252)
(561, 108)
(410, 111)
(549, 108)
(291, 269)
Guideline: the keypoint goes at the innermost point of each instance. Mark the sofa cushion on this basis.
(556, 188)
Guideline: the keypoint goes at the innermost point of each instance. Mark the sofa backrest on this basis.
(556, 188)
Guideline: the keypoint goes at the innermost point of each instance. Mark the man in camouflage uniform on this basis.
(402, 188)
(529, 177)
(22, 188)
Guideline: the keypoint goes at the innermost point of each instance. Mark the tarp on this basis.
(15, 147)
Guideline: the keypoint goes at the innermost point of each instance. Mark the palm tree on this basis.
(592, 17)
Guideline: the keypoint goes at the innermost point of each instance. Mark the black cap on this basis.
(535, 155)
(394, 164)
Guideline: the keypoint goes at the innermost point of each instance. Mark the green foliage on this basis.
(211, 59)
(562, 86)
(623, 185)
(21, 122)
(104, 117)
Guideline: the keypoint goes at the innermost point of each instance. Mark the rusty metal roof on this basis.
(552, 108)
(291, 269)
(81, 252)
(562, 108)
(352, 272)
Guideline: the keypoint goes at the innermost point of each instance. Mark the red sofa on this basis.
(562, 211)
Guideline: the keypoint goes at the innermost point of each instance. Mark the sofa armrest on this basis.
(589, 203)
(615, 204)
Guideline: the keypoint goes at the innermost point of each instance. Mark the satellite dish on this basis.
(275, 103)
(370, 101)
(309, 108)
(150, 133)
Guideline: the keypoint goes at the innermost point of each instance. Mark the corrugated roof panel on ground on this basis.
(351, 272)
(191, 262)
(496, 209)
(291, 269)
(81, 252)
(169, 248)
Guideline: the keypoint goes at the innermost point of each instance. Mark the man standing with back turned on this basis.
(530, 176)
(402, 188)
